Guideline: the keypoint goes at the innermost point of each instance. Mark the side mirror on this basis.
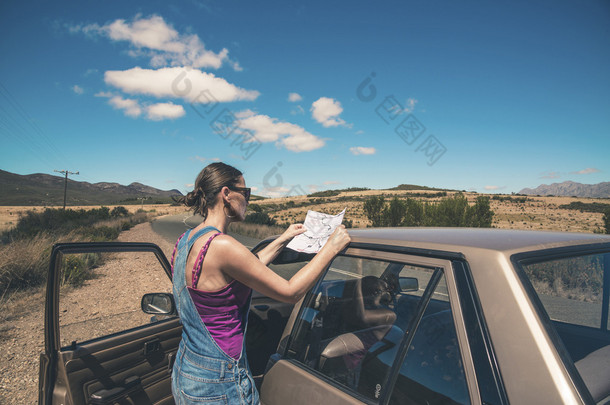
(159, 304)
(408, 284)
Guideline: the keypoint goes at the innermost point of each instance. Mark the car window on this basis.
(83, 315)
(573, 294)
(570, 288)
(353, 325)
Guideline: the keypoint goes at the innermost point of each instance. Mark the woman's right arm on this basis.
(242, 265)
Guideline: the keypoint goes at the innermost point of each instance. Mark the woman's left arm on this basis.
(270, 252)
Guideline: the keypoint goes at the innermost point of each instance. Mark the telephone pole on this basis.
(65, 182)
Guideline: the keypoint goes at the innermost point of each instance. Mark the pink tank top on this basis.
(222, 311)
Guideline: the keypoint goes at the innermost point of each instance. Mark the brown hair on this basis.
(208, 184)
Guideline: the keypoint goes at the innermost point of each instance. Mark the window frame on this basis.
(441, 263)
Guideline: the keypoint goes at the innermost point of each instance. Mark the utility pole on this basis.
(65, 182)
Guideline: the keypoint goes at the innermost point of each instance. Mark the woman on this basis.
(213, 279)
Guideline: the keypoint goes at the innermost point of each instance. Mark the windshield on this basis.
(571, 290)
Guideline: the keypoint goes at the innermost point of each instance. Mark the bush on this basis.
(449, 212)
(24, 258)
(101, 233)
(259, 218)
(119, 212)
(54, 221)
(78, 268)
(373, 208)
(255, 208)
(394, 214)
(607, 220)
(415, 213)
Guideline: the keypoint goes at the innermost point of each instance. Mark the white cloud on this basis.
(152, 37)
(284, 134)
(294, 97)
(106, 94)
(154, 112)
(77, 89)
(588, 170)
(161, 111)
(326, 111)
(361, 150)
(491, 188)
(188, 84)
(129, 106)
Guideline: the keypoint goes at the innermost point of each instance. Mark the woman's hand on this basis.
(292, 231)
(339, 239)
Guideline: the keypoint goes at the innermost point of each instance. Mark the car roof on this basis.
(461, 239)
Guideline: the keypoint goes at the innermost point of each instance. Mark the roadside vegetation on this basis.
(25, 249)
(454, 211)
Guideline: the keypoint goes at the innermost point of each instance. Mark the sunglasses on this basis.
(245, 191)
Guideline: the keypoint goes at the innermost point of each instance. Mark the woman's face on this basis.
(239, 204)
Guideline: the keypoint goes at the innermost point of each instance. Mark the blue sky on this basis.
(308, 96)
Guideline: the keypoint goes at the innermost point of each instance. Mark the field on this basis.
(535, 213)
(9, 215)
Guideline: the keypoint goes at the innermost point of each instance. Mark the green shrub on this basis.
(393, 215)
(101, 233)
(259, 218)
(78, 268)
(373, 208)
(449, 212)
(255, 208)
(54, 222)
(25, 253)
(119, 212)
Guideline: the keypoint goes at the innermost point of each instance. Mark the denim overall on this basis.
(204, 373)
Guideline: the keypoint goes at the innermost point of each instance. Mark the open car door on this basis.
(100, 347)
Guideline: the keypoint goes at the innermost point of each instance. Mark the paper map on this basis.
(319, 228)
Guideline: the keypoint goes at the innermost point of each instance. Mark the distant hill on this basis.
(570, 188)
(409, 187)
(48, 190)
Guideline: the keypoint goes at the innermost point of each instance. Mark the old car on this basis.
(402, 316)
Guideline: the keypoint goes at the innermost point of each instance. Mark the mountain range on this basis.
(48, 190)
(571, 188)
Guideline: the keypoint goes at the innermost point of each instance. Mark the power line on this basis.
(50, 146)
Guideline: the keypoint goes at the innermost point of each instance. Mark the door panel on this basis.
(134, 365)
(287, 383)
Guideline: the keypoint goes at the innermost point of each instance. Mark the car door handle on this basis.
(109, 396)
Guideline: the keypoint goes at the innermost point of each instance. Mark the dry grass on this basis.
(25, 263)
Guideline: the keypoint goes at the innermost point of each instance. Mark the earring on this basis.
(227, 215)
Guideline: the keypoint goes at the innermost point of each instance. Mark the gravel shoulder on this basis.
(22, 335)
